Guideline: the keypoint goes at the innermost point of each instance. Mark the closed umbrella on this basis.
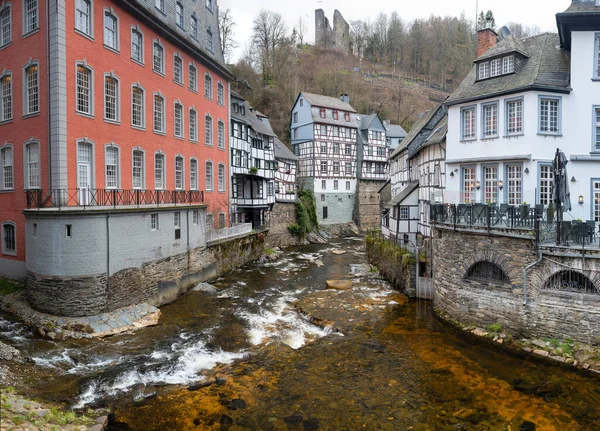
(561, 194)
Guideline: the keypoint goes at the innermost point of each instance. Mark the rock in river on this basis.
(339, 284)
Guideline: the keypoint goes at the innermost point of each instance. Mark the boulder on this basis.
(339, 252)
(339, 284)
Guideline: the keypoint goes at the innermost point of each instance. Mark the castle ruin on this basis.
(337, 38)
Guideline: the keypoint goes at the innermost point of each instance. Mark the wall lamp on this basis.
(573, 180)
(452, 174)
(477, 184)
(526, 170)
(500, 184)
(580, 199)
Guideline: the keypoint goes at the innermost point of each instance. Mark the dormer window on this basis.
(484, 70)
(347, 115)
(496, 67)
(508, 64)
(335, 114)
(323, 113)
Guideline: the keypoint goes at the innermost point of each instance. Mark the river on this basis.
(385, 363)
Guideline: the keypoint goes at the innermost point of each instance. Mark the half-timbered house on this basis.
(285, 175)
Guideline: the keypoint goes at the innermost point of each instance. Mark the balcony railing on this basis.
(59, 198)
(522, 219)
(213, 235)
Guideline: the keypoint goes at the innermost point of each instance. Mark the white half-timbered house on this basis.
(394, 135)
(285, 175)
(324, 137)
(252, 164)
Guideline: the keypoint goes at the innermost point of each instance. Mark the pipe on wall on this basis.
(107, 253)
(527, 268)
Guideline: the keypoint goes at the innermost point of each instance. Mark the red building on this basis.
(108, 104)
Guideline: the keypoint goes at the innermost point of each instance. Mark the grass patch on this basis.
(270, 251)
(8, 286)
(562, 347)
(494, 327)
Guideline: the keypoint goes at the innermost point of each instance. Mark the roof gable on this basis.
(326, 102)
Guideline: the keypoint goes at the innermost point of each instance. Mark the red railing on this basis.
(58, 198)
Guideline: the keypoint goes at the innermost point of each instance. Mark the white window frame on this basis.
(181, 134)
(485, 134)
(27, 109)
(89, 21)
(112, 147)
(490, 176)
(463, 118)
(141, 169)
(596, 129)
(109, 12)
(5, 250)
(5, 11)
(84, 65)
(135, 29)
(210, 40)
(181, 80)
(324, 167)
(193, 173)
(194, 26)
(208, 84)
(163, 128)
(220, 135)
(483, 70)
(545, 184)
(193, 78)
(35, 10)
(221, 178)
(508, 64)
(32, 169)
(558, 100)
(193, 124)
(209, 5)
(180, 15)
(160, 5)
(514, 184)
(595, 187)
(596, 72)
(154, 224)
(221, 94)
(519, 104)
(470, 190)
(142, 125)
(179, 173)
(160, 182)
(161, 71)
(6, 100)
(496, 67)
(208, 176)
(8, 167)
(208, 131)
(116, 79)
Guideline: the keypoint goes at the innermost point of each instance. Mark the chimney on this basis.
(486, 39)
(345, 98)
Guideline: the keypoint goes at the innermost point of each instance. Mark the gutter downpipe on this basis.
(527, 268)
(107, 253)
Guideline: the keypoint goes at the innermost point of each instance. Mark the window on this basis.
(159, 114)
(348, 168)
(468, 123)
(347, 185)
(336, 167)
(347, 115)
(490, 184)
(514, 190)
(160, 5)
(111, 30)
(490, 120)
(178, 173)
(84, 103)
(32, 101)
(508, 64)
(177, 220)
(468, 185)
(158, 58)
(210, 224)
(30, 16)
(138, 113)
(221, 177)
(336, 148)
(322, 198)
(597, 129)
(546, 184)
(488, 272)
(295, 133)
(154, 221)
(6, 159)
(193, 120)
(208, 131)
(5, 25)
(159, 171)
(85, 164)
(596, 199)
(323, 113)
(6, 94)
(137, 46)
(295, 117)
(325, 213)
(195, 217)
(514, 117)
(495, 67)
(9, 239)
(220, 94)
(194, 26)
(112, 167)
(597, 62)
(83, 16)
(193, 78)
(32, 166)
(221, 135)
(178, 120)
(323, 148)
(335, 184)
(209, 176)
(324, 167)
(209, 5)
(484, 70)
(178, 69)
(549, 116)
(111, 98)
(209, 40)
(348, 150)
(137, 169)
(403, 212)
(193, 174)
(336, 131)
(208, 86)
(179, 14)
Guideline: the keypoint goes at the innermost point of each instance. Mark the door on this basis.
(325, 213)
(84, 173)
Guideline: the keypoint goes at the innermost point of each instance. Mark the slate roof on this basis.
(250, 117)
(366, 121)
(547, 68)
(415, 131)
(355, 119)
(412, 186)
(394, 131)
(578, 6)
(507, 45)
(327, 102)
(283, 152)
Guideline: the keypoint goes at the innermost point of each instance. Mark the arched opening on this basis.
(571, 281)
(487, 272)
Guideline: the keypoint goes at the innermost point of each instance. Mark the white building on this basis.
(522, 100)
(285, 175)
(252, 164)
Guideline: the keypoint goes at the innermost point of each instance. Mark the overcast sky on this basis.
(529, 12)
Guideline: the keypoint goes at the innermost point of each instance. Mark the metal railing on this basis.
(213, 235)
(59, 198)
(522, 219)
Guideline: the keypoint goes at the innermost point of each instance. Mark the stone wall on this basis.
(282, 216)
(396, 266)
(546, 313)
(367, 211)
(337, 38)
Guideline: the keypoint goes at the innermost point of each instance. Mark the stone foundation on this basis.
(282, 216)
(367, 211)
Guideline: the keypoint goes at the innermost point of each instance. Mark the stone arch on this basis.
(569, 280)
(487, 271)
(498, 259)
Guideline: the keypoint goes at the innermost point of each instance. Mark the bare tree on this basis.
(268, 33)
(301, 30)
(359, 31)
(226, 25)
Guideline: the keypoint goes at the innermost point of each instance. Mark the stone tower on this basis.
(337, 38)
